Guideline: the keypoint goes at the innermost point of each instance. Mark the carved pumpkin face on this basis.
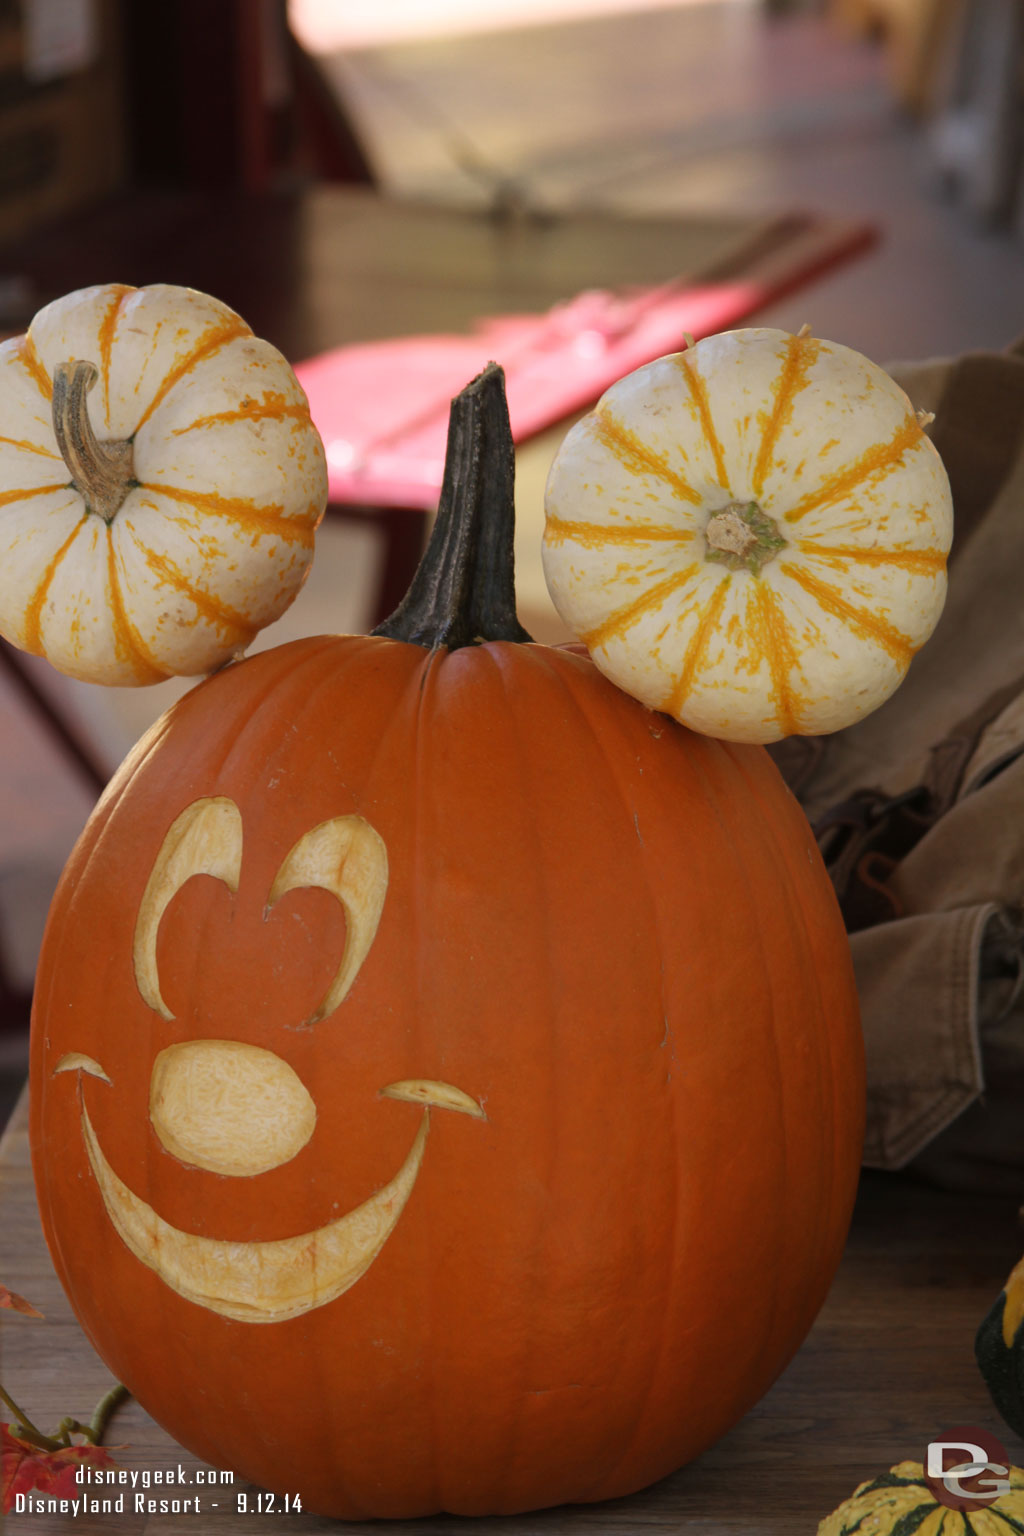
(239, 1109)
(671, 1100)
(353, 888)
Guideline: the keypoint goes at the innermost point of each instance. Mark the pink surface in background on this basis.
(382, 407)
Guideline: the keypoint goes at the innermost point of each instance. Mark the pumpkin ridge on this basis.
(768, 625)
(216, 336)
(805, 907)
(595, 535)
(699, 395)
(418, 697)
(27, 446)
(696, 650)
(127, 642)
(764, 829)
(33, 614)
(260, 521)
(1006, 1519)
(634, 455)
(274, 407)
(860, 620)
(210, 607)
(518, 738)
(33, 365)
(105, 337)
(623, 618)
(801, 354)
(876, 461)
(6, 497)
(302, 655)
(568, 682)
(913, 1520)
(920, 562)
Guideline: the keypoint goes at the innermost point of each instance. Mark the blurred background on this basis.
(342, 171)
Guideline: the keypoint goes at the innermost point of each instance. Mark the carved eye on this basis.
(206, 839)
(348, 858)
(344, 856)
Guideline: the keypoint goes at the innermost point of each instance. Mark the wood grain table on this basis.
(887, 1367)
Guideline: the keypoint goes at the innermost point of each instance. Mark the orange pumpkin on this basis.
(447, 1084)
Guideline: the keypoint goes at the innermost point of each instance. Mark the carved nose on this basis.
(229, 1107)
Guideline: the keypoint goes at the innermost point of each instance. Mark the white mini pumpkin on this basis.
(160, 484)
(751, 535)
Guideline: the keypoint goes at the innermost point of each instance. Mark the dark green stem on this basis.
(464, 588)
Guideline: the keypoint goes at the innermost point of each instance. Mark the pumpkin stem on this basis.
(103, 1412)
(102, 473)
(742, 537)
(464, 587)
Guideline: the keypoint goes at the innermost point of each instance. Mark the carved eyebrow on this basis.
(347, 857)
(206, 839)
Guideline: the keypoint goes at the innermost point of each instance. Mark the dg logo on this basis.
(968, 1469)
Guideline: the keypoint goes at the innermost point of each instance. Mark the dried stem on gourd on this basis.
(464, 587)
(61, 1437)
(742, 537)
(101, 473)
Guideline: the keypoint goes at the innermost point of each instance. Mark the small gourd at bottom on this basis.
(999, 1349)
(900, 1501)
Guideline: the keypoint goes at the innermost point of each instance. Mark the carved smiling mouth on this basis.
(267, 1282)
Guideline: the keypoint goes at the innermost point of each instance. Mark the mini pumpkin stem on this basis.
(464, 587)
(743, 537)
(102, 473)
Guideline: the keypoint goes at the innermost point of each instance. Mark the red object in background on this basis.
(382, 407)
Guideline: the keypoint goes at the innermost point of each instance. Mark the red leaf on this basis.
(17, 1303)
(25, 1467)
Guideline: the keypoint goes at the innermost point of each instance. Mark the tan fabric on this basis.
(932, 882)
(978, 645)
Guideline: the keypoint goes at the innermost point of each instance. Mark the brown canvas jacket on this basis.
(919, 812)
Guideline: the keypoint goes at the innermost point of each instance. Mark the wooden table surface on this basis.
(888, 1366)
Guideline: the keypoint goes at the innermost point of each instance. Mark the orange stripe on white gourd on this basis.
(214, 540)
(33, 532)
(27, 457)
(828, 449)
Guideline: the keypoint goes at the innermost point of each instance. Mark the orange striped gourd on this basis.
(160, 484)
(751, 535)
